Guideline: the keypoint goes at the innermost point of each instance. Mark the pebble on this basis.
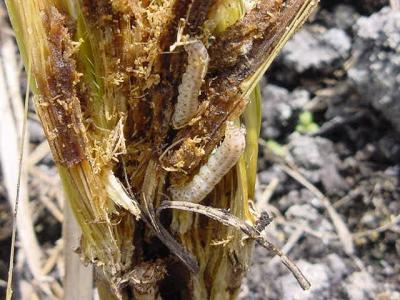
(337, 266)
(389, 147)
(311, 49)
(360, 286)
(305, 212)
(280, 109)
(318, 161)
(376, 72)
(276, 111)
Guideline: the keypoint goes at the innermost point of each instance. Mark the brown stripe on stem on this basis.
(238, 40)
(58, 106)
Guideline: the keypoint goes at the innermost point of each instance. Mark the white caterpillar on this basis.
(217, 166)
(192, 80)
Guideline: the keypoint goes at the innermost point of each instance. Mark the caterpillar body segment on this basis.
(192, 80)
(217, 166)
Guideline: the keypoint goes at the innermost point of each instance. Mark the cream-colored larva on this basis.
(192, 80)
(217, 166)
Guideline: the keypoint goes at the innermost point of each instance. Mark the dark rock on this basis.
(48, 160)
(311, 152)
(389, 147)
(332, 181)
(318, 161)
(368, 148)
(338, 101)
(311, 49)
(369, 6)
(279, 109)
(376, 72)
(341, 16)
(315, 246)
(276, 111)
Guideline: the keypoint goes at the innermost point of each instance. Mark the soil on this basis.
(342, 68)
(331, 108)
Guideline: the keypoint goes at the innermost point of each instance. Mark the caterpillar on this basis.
(217, 166)
(192, 80)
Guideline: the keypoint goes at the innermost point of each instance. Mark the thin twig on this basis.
(269, 190)
(39, 153)
(43, 176)
(53, 258)
(28, 291)
(57, 290)
(388, 226)
(291, 242)
(343, 232)
(347, 198)
(52, 208)
(16, 202)
(227, 219)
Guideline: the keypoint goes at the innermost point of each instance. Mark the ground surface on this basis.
(331, 119)
(342, 68)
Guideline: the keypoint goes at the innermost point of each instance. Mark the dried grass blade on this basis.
(17, 197)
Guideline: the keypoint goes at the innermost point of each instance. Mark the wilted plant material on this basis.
(135, 96)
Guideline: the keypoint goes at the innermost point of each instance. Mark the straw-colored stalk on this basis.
(106, 78)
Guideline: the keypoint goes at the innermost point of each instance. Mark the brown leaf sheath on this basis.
(58, 106)
(197, 15)
(239, 39)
